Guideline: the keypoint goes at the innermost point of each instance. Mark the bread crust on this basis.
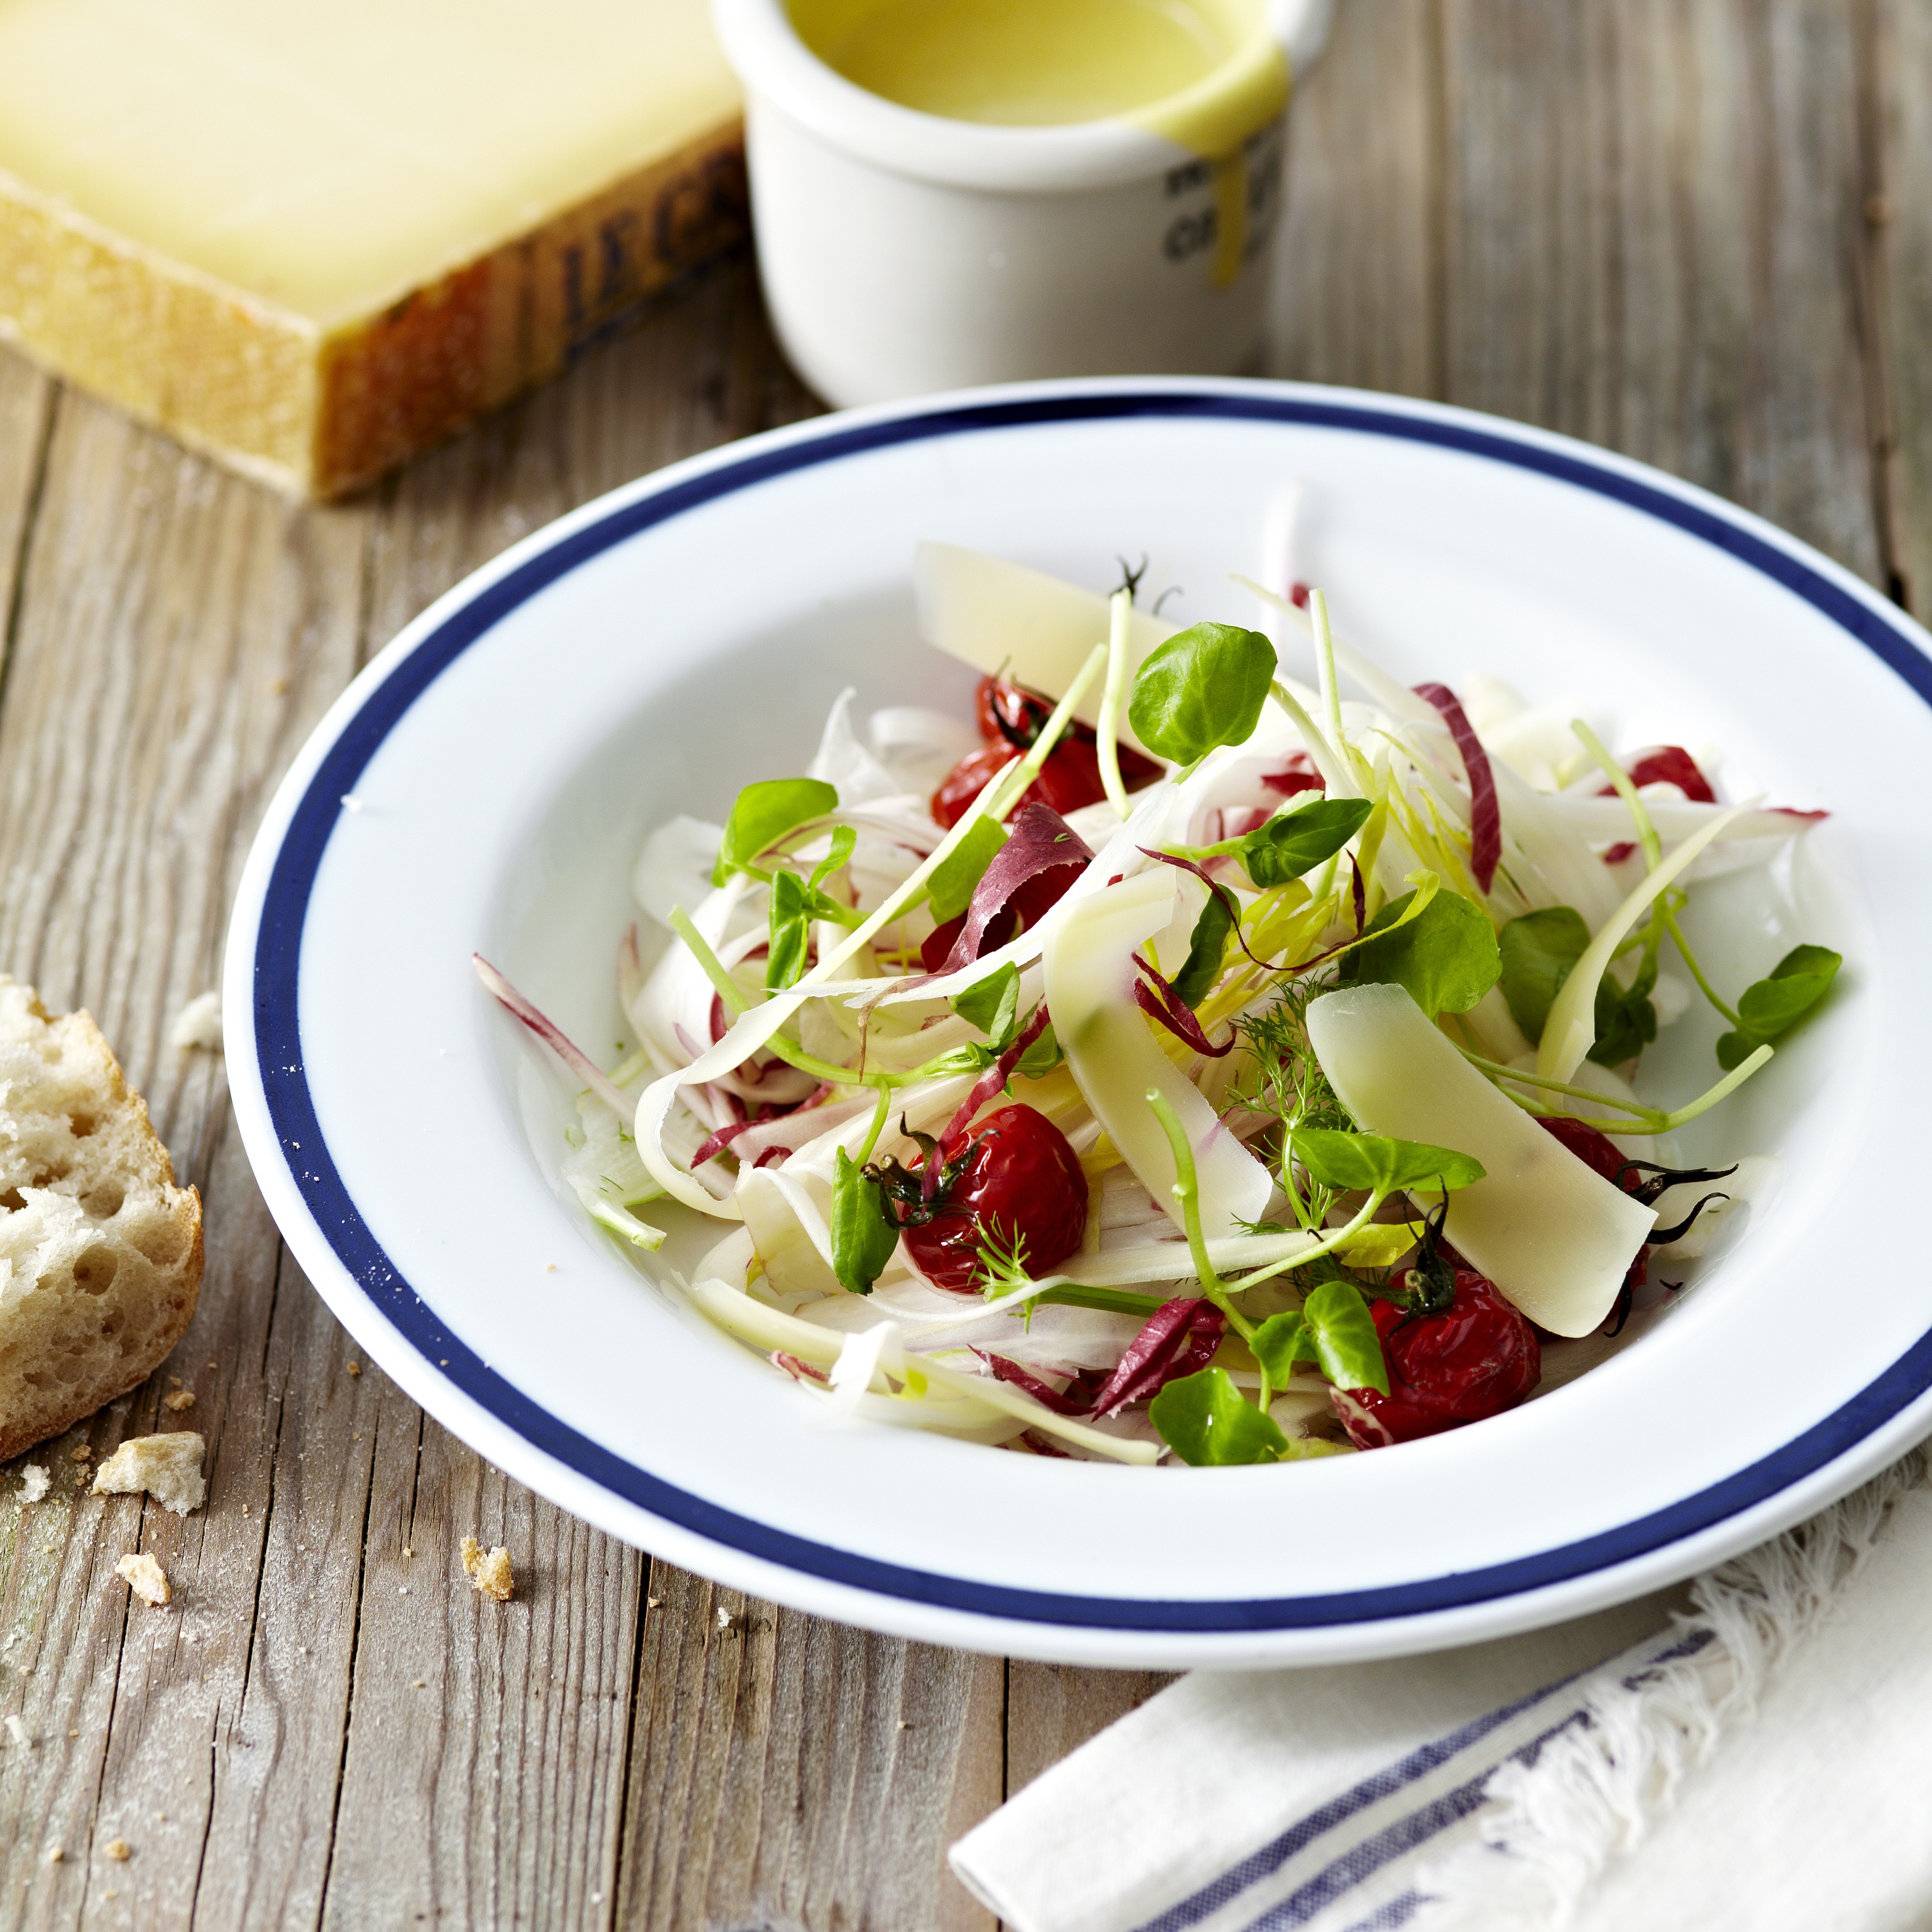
(101, 1254)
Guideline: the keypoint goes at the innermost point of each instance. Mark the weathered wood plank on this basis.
(1053, 1710)
(1357, 296)
(486, 1739)
(786, 1770)
(1900, 214)
(176, 638)
(26, 415)
(1651, 239)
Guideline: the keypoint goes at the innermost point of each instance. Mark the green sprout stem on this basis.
(1324, 664)
(1690, 959)
(879, 1114)
(1642, 1120)
(737, 1005)
(1187, 1192)
(1646, 832)
(1334, 772)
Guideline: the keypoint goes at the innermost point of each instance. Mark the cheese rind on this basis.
(314, 241)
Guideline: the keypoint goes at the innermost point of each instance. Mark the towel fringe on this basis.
(1553, 1819)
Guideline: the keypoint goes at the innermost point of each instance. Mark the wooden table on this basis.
(1698, 231)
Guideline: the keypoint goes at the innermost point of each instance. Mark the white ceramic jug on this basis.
(902, 253)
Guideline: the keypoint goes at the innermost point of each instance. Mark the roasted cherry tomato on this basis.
(1016, 1177)
(1009, 718)
(1069, 778)
(1470, 1361)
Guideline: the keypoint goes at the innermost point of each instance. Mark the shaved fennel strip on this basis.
(767, 1329)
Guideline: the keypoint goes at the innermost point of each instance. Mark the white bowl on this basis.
(486, 783)
(902, 253)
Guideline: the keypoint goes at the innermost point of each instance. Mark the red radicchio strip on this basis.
(1039, 840)
(1072, 1400)
(1299, 776)
(1179, 1337)
(554, 1037)
(1160, 1002)
(797, 1368)
(1486, 817)
(1670, 764)
(989, 1084)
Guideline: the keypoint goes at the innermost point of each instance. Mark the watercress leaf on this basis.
(1770, 1008)
(843, 838)
(784, 962)
(764, 813)
(1042, 1057)
(1445, 958)
(1626, 1022)
(863, 1236)
(992, 1005)
(1374, 1164)
(1279, 1343)
(1341, 1336)
(1203, 1419)
(1204, 686)
(1297, 841)
(1205, 950)
(950, 888)
(1536, 953)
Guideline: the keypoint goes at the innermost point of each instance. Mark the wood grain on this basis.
(1652, 213)
(1898, 220)
(1357, 295)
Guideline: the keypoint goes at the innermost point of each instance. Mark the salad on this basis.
(1175, 1059)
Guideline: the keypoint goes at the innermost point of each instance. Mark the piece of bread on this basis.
(168, 1467)
(145, 1577)
(100, 1252)
(489, 1573)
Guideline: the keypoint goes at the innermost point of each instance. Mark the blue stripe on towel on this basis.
(1370, 1855)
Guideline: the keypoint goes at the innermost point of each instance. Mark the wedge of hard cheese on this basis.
(314, 240)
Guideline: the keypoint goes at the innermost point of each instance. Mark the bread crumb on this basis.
(83, 1453)
(181, 1399)
(144, 1577)
(17, 1730)
(168, 1467)
(652, 1603)
(198, 1024)
(117, 1849)
(55, 1856)
(34, 1481)
(355, 1368)
(488, 1574)
(417, 1684)
(724, 1619)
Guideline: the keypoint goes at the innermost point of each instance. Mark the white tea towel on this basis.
(1760, 1760)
